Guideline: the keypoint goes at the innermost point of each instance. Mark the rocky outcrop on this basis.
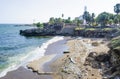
(48, 30)
(108, 63)
(70, 30)
(115, 56)
(36, 32)
(113, 72)
(96, 32)
(97, 60)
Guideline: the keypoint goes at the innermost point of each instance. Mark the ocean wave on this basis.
(23, 59)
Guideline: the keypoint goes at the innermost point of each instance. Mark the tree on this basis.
(78, 23)
(103, 18)
(59, 20)
(87, 17)
(51, 20)
(68, 20)
(40, 25)
(110, 21)
(117, 8)
(116, 19)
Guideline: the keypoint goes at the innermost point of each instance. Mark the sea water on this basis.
(17, 50)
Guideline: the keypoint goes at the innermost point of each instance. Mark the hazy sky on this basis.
(25, 11)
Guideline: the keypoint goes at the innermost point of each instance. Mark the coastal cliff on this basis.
(63, 29)
(100, 60)
(114, 70)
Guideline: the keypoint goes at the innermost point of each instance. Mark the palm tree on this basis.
(117, 8)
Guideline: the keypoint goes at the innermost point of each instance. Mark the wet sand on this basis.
(55, 61)
(22, 73)
(53, 51)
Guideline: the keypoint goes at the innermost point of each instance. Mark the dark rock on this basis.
(92, 54)
(116, 51)
(102, 58)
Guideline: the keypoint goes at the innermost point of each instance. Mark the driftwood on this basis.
(71, 60)
(66, 52)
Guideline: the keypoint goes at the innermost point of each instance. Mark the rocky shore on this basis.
(63, 29)
(89, 59)
(78, 63)
(86, 58)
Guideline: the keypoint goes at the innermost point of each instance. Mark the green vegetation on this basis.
(107, 29)
(68, 20)
(90, 29)
(87, 17)
(85, 29)
(51, 20)
(39, 25)
(79, 28)
(117, 8)
(95, 29)
(115, 42)
(103, 19)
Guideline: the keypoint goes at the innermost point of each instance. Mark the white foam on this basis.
(35, 54)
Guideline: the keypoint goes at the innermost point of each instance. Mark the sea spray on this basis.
(39, 51)
(35, 54)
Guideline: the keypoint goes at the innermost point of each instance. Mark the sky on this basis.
(29, 11)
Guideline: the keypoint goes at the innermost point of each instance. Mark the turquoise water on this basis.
(14, 48)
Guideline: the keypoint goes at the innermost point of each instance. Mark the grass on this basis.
(115, 42)
(85, 29)
(79, 28)
(107, 29)
(94, 29)
(90, 29)
(118, 48)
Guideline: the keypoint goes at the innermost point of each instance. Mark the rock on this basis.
(92, 54)
(102, 58)
(95, 44)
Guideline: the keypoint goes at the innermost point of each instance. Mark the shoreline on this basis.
(56, 65)
(73, 65)
(53, 52)
(12, 74)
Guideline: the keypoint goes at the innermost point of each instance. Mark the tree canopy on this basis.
(117, 8)
(102, 19)
(87, 17)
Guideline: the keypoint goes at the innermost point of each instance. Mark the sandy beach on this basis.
(72, 65)
(56, 65)
(53, 51)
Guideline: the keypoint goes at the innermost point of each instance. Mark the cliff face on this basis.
(71, 30)
(48, 30)
(114, 53)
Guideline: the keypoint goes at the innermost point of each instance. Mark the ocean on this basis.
(17, 50)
